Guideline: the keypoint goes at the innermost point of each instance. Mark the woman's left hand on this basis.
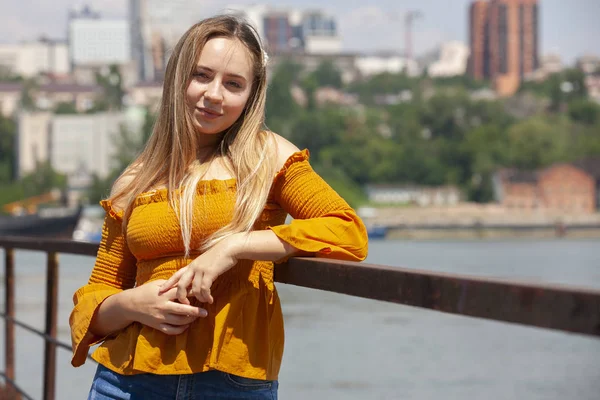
(196, 278)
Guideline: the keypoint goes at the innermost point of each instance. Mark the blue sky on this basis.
(568, 27)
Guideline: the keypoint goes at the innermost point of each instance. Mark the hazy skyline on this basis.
(567, 28)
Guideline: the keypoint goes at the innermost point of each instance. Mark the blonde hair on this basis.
(171, 157)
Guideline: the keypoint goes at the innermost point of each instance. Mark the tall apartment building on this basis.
(504, 42)
(478, 38)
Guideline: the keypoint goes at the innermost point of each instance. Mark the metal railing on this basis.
(563, 308)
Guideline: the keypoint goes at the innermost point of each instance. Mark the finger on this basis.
(184, 309)
(172, 329)
(205, 295)
(170, 294)
(183, 285)
(197, 285)
(178, 320)
(172, 281)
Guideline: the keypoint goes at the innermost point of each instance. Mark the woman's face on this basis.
(220, 86)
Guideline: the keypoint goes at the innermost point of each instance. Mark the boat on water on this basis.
(56, 222)
(377, 231)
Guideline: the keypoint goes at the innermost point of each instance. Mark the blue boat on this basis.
(377, 232)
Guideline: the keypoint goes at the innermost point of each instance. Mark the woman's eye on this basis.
(201, 75)
(235, 84)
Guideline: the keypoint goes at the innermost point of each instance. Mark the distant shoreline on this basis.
(475, 221)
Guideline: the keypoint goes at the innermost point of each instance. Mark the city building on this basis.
(318, 33)
(287, 31)
(345, 63)
(504, 41)
(146, 94)
(549, 64)
(277, 31)
(452, 60)
(10, 98)
(589, 64)
(416, 195)
(49, 96)
(369, 65)
(30, 59)
(95, 41)
(592, 85)
(479, 59)
(569, 188)
(72, 143)
(33, 141)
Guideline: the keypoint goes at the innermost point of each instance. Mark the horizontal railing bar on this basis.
(31, 329)
(566, 308)
(15, 386)
(49, 245)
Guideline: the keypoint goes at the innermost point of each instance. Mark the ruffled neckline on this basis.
(203, 187)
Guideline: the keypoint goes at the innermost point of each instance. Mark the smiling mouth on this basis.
(208, 112)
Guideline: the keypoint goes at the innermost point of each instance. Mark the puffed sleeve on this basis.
(324, 224)
(113, 272)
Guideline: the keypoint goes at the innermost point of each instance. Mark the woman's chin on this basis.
(206, 129)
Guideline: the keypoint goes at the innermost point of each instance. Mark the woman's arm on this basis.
(144, 304)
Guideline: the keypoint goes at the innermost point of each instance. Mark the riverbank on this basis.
(476, 221)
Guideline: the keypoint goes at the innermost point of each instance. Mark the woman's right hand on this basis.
(162, 311)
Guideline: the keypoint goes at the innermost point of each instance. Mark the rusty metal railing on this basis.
(563, 308)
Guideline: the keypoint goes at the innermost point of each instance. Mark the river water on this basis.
(340, 347)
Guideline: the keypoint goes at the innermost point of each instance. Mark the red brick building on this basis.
(478, 67)
(571, 188)
(504, 42)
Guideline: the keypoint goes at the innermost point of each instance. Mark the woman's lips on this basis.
(209, 114)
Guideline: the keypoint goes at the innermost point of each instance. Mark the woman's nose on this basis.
(213, 92)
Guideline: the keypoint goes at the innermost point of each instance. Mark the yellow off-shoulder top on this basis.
(243, 333)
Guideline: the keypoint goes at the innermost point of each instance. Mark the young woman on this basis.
(181, 295)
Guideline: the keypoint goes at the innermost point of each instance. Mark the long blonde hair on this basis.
(170, 156)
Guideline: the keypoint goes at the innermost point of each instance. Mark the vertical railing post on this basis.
(51, 318)
(9, 301)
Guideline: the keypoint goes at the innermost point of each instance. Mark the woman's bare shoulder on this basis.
(285, 149)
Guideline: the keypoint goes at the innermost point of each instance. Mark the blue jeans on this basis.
(213, 385)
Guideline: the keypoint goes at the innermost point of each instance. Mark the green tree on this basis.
(485, 148)
(318, 129)
(281, 106)
(8, 135)
(327, 74)
(584, 111)
(148, 127)
(129, 145)
(537, 142)
(7, 75)
(65, 108)
(112, 83)
(27, 100)
(42, 180)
